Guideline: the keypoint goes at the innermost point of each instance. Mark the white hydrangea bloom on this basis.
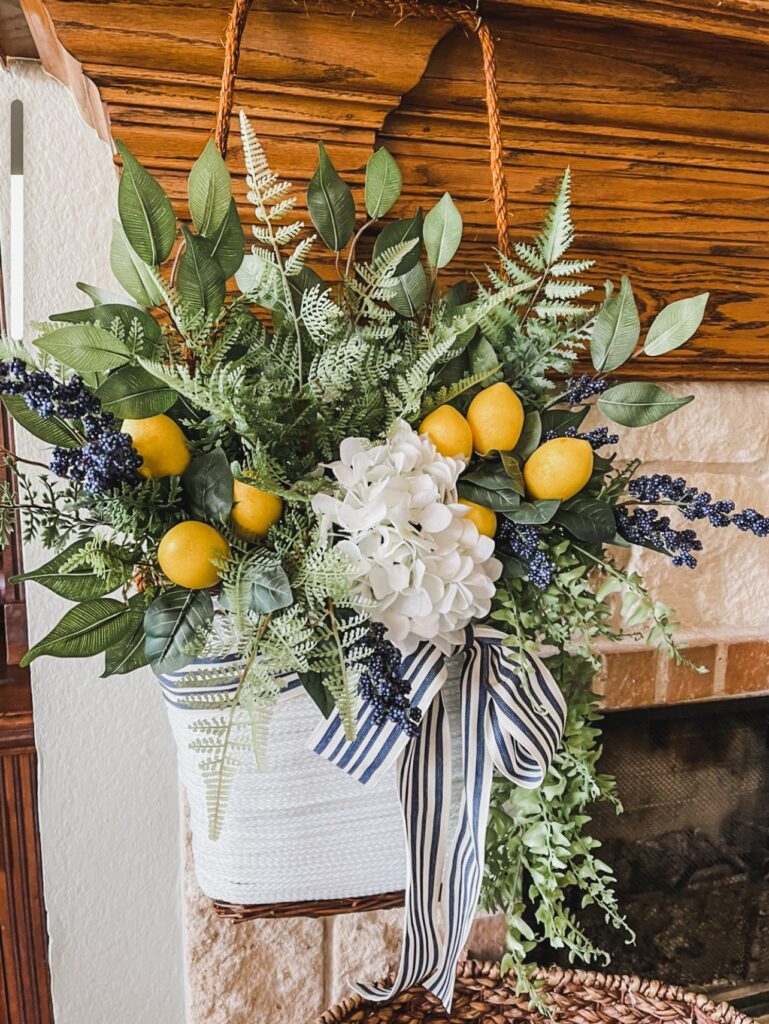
(425, 567)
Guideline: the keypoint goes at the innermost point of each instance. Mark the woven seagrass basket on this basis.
(576, 997)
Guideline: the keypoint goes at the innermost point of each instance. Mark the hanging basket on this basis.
(577, 997)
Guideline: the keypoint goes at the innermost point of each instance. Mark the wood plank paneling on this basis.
(659, 108)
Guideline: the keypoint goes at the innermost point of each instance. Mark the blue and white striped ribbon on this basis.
(511, 721)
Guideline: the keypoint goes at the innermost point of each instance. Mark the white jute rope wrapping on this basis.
(298, 830)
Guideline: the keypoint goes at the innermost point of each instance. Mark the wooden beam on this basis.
(15, 38)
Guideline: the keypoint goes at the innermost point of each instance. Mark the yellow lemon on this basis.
(254, 511)
(449, 431)
(161, 444)
(484, 518)
(187, 554)
(558, 468)
(496, 419)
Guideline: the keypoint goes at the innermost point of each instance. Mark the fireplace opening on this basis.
(691, 851)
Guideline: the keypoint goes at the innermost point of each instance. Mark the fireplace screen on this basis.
(691, 852)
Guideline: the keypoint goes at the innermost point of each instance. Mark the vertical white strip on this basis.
(16, 225)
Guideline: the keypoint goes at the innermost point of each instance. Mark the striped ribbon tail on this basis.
(511, 719)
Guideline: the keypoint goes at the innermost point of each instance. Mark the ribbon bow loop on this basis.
(511, 716)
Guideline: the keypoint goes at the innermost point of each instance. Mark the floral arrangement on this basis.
(316, 479)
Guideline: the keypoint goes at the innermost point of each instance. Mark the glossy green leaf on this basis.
(588, 519)
(81, 584)
(409, 293)
(637, 403)
(208, 487)
(313, 682)
(130, 271)
(128, 653)
(531, 435)
(442, 232)
(481, 355)
(616, 330)
(513, 471)
(501, 499)
(270, 590)
(398, 231)
(85, 348)
(535, 513)
(173, 626)
(675, 324)
(145, 211)
(53, 430)
(136, 323)
(330, 203)
(228, 243)
(210, 191)
(199, 279)
(132, 393)
(86, 629)
(100, 296)
(383, 183)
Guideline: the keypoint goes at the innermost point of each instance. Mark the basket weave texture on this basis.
(576, 997)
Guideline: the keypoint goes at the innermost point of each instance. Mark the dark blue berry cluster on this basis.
(383, 686)
(647, 527)
(584, 387)
(694, 504)
(107, 458)
(597, 438)
(522, 542)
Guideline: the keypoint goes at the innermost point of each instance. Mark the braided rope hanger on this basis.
(423, 8)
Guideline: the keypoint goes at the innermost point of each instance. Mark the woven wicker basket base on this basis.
(576, 997)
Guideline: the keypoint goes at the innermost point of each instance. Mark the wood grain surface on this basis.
(658, 107)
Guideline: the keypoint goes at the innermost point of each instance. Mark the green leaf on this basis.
(330, 203)
(675, 324)
(130, 271)
(173, 626)
(501, 499)
(85, 348)
(270, 590)
(559, 420)
(199, 279)
(132, 393)
(210, 191)
(616, 330)
(53, 430)
(636, 404)
(409, 293)
(443, 232)
(81, 584)
(106, 314)
(383, 183)
(128, 653)
(588, 519)
(145, 211)
(208, 487)
(398, 231)
(101, 297)
(512, 468)
(86, 629)
(534, 513)
(315, 687)
(228, 243)
(530, 437)
(482, 356)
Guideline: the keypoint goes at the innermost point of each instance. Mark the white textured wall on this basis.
(108, 796)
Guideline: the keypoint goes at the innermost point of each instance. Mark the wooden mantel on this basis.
(659, 106)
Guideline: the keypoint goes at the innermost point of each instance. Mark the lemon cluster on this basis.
(557, 469)
(191, 554)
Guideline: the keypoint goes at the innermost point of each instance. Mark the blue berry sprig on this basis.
(383, 686)
(646, 527)
(694, 504)
(107, 458)
(597, 438)
(522, 542)
(580, 389)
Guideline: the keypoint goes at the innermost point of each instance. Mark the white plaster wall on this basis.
(109, 813)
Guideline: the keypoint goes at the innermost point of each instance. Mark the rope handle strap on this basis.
(422, 8)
